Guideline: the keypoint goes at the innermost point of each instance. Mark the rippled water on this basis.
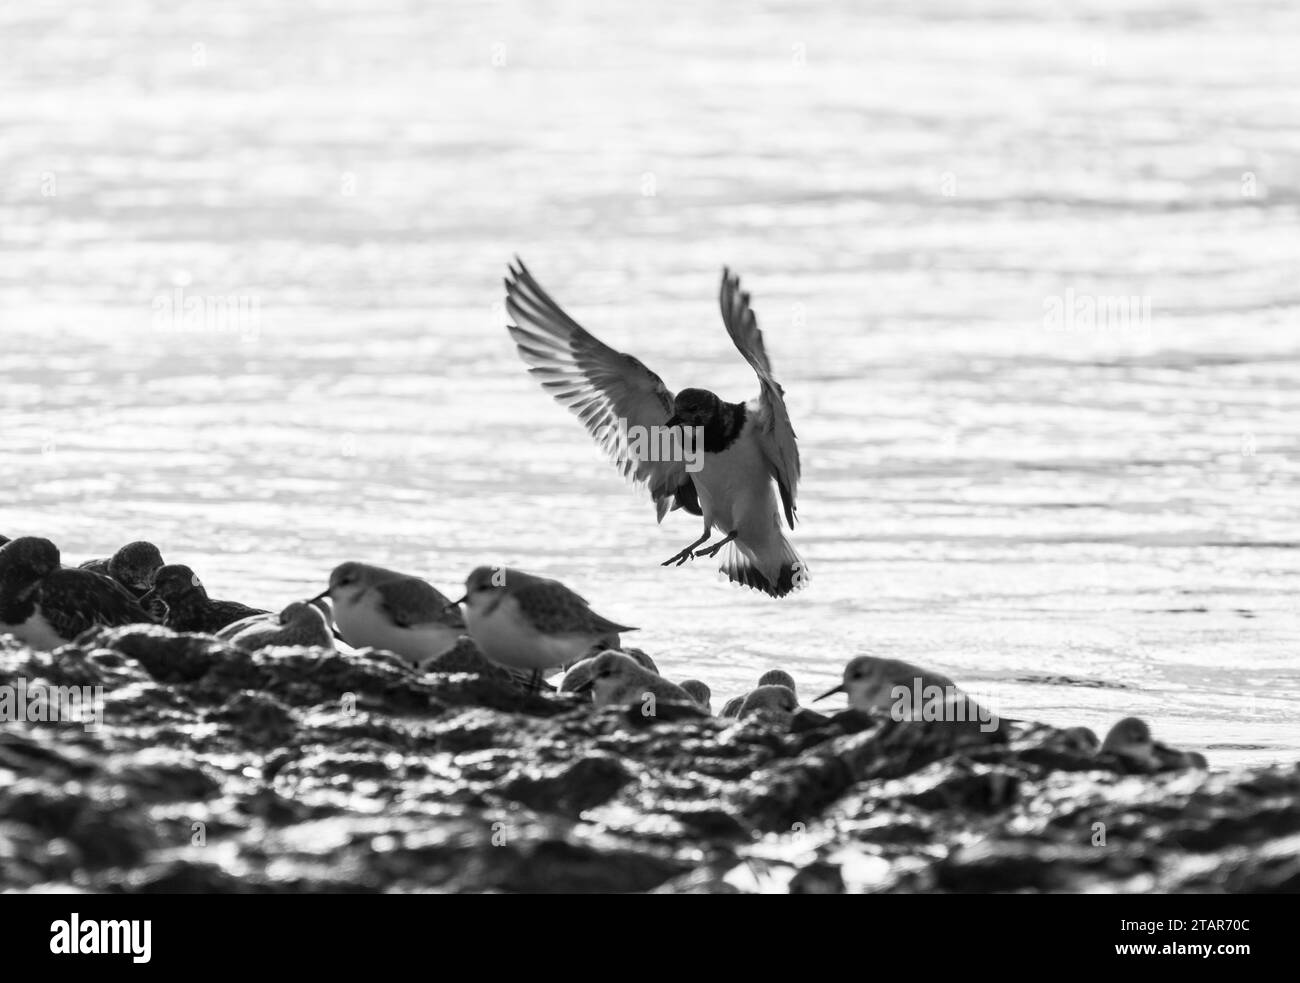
(1037, 507)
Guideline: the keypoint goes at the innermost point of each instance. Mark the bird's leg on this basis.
(689, 552)
(713, 550)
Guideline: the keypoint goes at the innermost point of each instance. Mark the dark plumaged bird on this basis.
(188, 606)
(749, 453)
(45, 605)
(133, 566)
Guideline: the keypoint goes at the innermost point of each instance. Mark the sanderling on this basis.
(45, 604)
(396, 612)
(773, 677)
(133, 566)
(769, 698)
(908, 692)
(615, 679)
(778, 677)
(1131, 740)
(188, 606)
(872, 683)
(1130, 737)
(524, 622)
(301, 623)
(699, 692)
(746, 446)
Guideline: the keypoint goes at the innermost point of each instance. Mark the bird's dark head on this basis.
(28, 558)
(135, 564)
(175, 580)
(695, 408)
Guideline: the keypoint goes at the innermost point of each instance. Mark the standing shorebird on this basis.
(46, 605)
(384, 609)
(133, 566)
(747, 447)
(187, 604)
(524, 622)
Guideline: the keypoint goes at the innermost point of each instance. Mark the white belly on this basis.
(35, 632)
(363, 625)
(506, 638)
(735, 490)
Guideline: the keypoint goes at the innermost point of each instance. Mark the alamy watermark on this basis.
(180, 311)
(655, 443)
(40, 703)
(1073, 312)
(939, 703)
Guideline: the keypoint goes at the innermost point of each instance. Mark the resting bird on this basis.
(45, 605)
(533, 624)
(384, 609)
(187, 604)
(747, 447)
(133, 566)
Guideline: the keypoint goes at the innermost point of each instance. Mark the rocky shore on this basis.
(300, 769)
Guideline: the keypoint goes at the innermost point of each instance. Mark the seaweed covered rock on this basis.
(206, 768)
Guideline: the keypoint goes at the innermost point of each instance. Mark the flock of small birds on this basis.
(532, 626)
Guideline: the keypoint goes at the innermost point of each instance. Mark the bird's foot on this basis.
(680, 558)
(713, 550)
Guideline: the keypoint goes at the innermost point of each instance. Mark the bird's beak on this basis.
(831, 692)
(320, 597)
(147, 595)
(674, 421)
(461, 601)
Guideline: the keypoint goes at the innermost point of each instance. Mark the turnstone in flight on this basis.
(747, 447)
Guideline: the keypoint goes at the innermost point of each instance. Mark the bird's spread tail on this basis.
(776, 570)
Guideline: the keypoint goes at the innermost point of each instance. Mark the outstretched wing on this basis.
(601, 386)
(776, 435)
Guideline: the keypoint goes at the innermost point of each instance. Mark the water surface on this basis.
(1080, 521)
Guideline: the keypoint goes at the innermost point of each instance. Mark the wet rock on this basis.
(306, 769)
(571, 789)
(260, 718)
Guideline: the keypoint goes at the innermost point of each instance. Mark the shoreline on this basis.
(298, 769)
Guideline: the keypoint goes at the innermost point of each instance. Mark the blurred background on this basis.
(1029, 278)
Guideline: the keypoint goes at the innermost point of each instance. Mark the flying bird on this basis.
(750, 454)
